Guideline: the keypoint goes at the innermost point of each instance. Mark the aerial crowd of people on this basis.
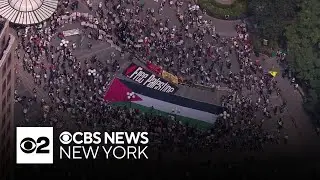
(71, 91)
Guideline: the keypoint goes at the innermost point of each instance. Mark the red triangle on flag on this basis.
(118, 92)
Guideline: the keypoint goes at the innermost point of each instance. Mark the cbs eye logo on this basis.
(65, 137)
(29, 145)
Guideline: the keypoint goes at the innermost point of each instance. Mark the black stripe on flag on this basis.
(174, 99)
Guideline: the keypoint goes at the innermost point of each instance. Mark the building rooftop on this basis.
(27, 11)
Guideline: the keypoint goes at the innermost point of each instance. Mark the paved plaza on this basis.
(297, 126)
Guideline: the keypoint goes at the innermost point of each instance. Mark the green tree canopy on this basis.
(272, 16)
(303, 38)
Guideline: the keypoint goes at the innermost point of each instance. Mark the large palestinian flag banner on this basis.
(123, 92)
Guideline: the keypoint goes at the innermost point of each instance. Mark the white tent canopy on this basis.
(27, 11)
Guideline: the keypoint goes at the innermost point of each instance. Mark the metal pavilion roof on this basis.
(27, 11)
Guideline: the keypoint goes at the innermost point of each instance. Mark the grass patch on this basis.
(236, 10)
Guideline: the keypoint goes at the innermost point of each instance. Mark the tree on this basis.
(303, 39)
(272, 16)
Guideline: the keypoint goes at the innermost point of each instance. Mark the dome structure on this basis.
(27, 11)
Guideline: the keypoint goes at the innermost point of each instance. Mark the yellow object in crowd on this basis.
(273, 73)
(170, 77)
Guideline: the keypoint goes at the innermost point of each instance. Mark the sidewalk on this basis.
(223, 27)
(304, 130)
